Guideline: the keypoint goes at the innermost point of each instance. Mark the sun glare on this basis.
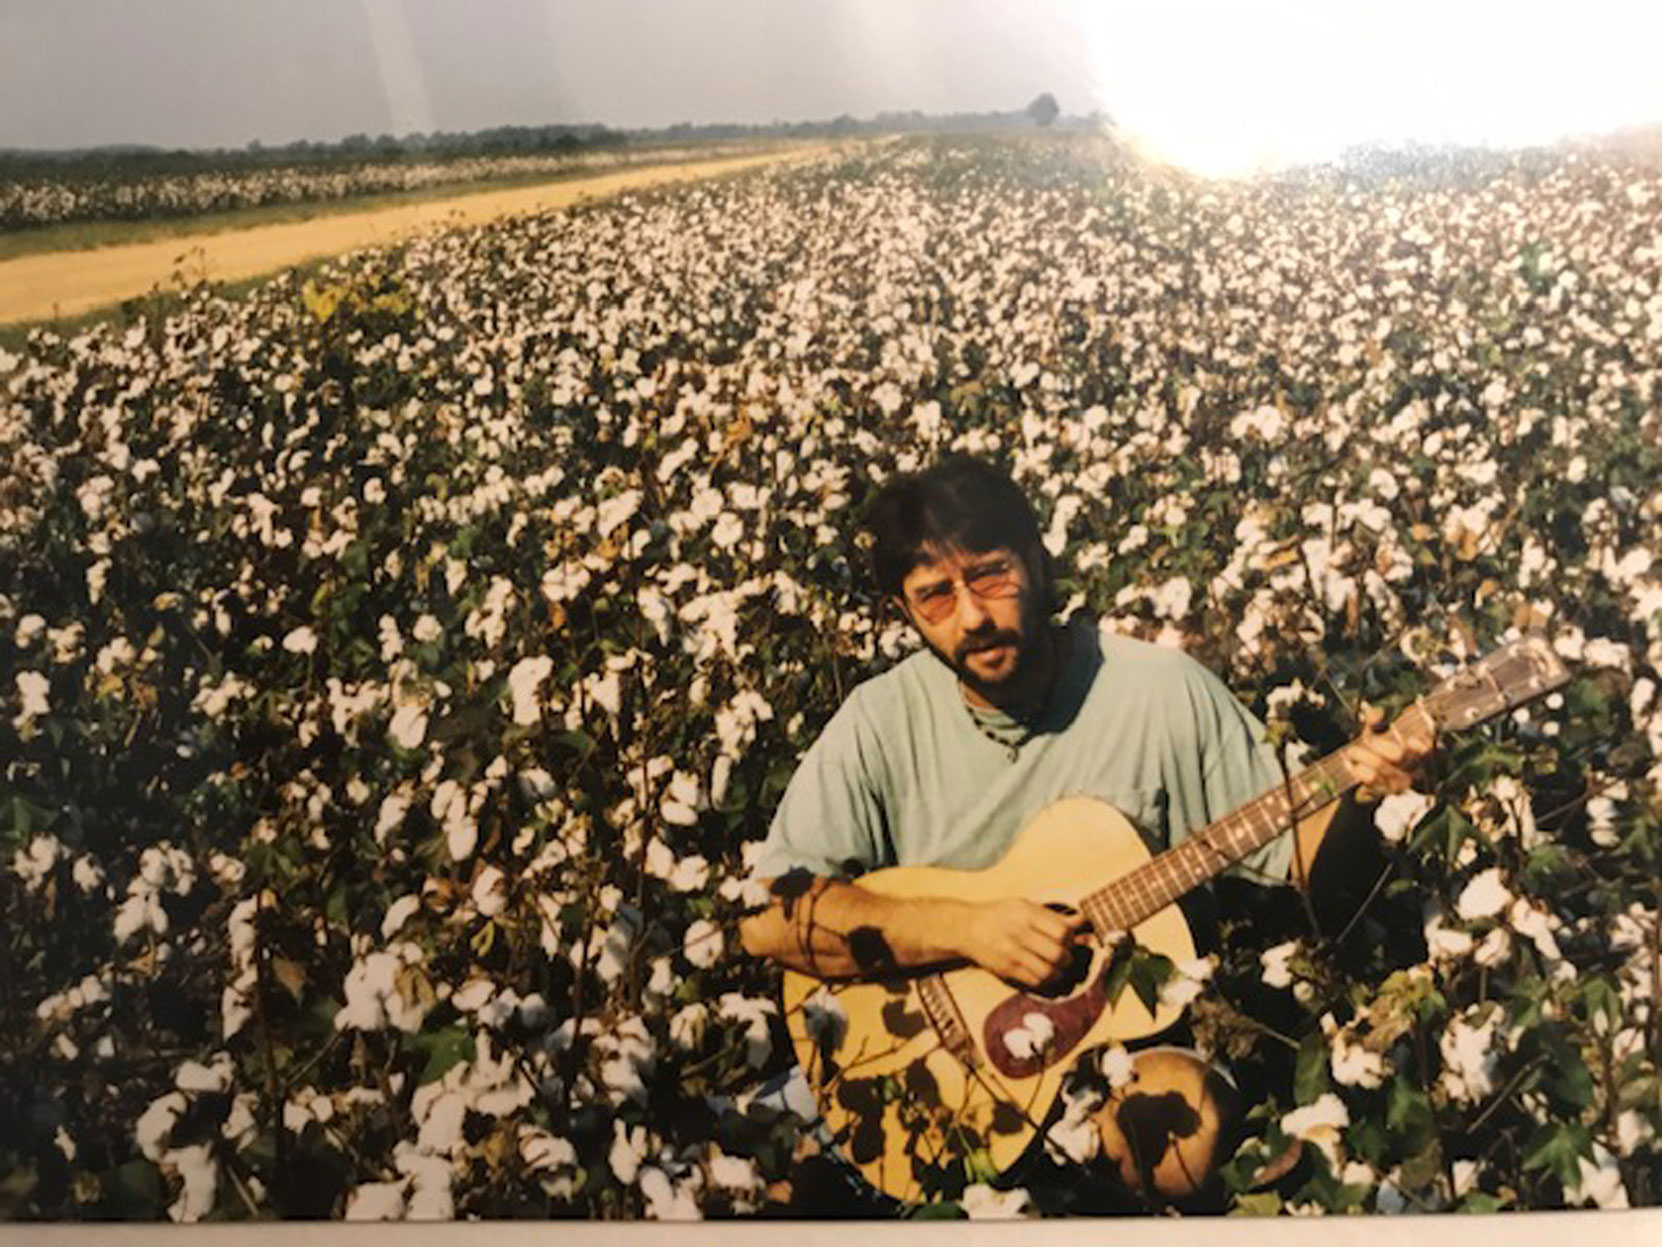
(1229, 90)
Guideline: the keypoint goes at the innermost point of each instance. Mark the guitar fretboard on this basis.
(1145, 891)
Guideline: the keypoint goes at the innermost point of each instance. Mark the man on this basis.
(945, 757)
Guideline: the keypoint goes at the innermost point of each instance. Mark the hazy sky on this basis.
(1223, 86)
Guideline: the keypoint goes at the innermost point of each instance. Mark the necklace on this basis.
(1010, 732)
(1016, 734)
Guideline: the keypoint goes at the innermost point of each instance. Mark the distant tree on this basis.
(1044, 109)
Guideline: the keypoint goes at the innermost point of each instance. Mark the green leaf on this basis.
(1482, 1201)
(1310, 1074)
(944, 1210)
(135, 1190)
(1558, 1147)
(1149, 973)
(979, 1166)
(1420, 1171)
(444, 1049)
(1263, 1204)
(1408, 1114)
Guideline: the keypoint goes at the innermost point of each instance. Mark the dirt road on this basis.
(68, 283)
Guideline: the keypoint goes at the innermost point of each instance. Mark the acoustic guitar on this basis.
(954, 1070)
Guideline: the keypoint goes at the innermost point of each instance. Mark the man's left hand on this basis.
(1387, 757)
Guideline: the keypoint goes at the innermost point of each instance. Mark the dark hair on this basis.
(961, 503)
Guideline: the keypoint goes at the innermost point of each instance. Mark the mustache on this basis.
(992, 640)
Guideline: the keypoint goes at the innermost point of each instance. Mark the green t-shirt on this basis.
(903, 776)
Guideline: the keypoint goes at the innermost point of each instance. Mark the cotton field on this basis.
(397, 669)
(34, 201)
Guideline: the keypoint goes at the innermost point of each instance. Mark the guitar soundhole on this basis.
(1074, 974)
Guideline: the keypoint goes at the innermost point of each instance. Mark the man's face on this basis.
(979, 612)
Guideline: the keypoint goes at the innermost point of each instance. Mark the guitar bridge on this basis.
(944, 1015)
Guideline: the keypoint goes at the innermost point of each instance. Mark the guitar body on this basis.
(958, 1067)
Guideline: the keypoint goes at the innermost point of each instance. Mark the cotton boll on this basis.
(703, 944)
(1319, 1123)
(490, 892)
(376, 1201)
(524, 684)
(408, 727)
(1399, 813)
(199, 1182)
(981, 1202)
(301, 640)
(1484, 896)
(629, 1144)
(154, 1128)
(1470, 1060)
(668, 1200)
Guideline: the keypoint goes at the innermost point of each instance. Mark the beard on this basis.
(997, 685)
(1020, 647)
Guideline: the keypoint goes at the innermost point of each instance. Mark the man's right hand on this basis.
(1022, 941)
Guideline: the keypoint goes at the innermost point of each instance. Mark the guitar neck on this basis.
(1145, 891)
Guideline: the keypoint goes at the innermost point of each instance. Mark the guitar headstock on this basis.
(1504, 680)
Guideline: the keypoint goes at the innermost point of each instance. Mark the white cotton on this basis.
(613, 513)
(1399, 813)
(1470, 1062)
(36, 860)
(398, 913)
(32, 690)
(683, 874)
(981, 1202)
(461, 837)
(1352, 1064)
(703, 944)
(1319, 1123)
(721, 774)
(687, 1026)
(1535, 925)
(432, 1178)
(374, 1000)
(1493, 948)
(391, 815)
(408, 727)
(667, 1200)
(154, 1128)
(734, 1173)
(441, 1128)
(199, 1178)
(1599, 1181)
(1276, 963)
(541, 1150)
(194, 1076)
(236, 1005)
(524, 684)
(490, 892)
(627, 1151)
(1118, 1066)
(301, 640)
(29, 630)
(1031, 1037)
(728, 530)
(376, 1201)
(1484, 897)
(753, 1014)
(87, 874)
